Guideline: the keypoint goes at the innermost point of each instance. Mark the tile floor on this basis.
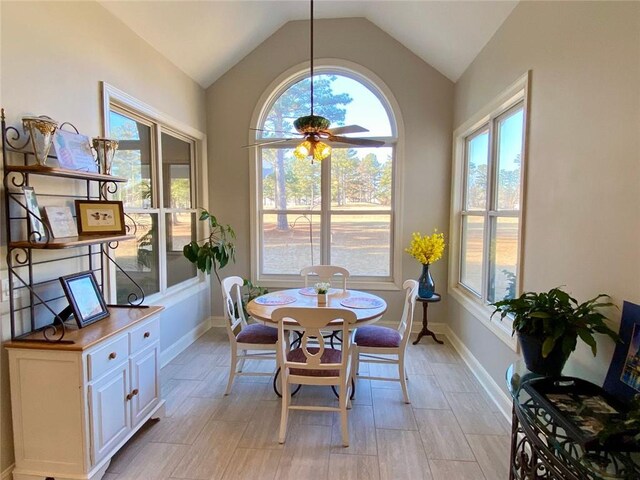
(451, 431)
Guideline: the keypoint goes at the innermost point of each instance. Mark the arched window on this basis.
(337, 211)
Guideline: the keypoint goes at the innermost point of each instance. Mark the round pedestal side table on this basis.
(425, 319)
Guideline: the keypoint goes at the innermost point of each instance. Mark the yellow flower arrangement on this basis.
(427, 249)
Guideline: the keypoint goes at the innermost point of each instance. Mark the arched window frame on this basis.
(280, 85)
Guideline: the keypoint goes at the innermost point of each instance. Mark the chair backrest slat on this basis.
(313, 320)
(324, 273)
(233, 310)
(406, 321)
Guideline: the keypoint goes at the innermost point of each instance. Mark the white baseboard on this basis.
(499, 397)
(218, 321)
(183, 342)
(6, 475)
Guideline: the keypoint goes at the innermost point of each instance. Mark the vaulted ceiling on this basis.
(206, 38)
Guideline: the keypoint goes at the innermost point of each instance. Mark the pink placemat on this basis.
(311, 292)
(361, 302)
(275, 299)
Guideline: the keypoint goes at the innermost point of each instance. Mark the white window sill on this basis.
(178, 293)
(482, 313)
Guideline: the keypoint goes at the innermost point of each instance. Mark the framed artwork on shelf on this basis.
(35, 218)
(623, 377)
(97, 217)
(74, 151)
(85, 298)
(61, 222)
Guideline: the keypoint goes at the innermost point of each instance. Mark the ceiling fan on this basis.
(315, 130)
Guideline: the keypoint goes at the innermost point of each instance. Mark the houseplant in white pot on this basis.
(549, 324)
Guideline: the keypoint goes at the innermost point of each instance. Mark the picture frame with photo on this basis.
(85, 298)
(623, 377)
(100, 217)
(61, 222)
(74, 151)
(35, 217)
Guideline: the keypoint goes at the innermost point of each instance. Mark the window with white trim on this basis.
(336, 211)
(488, 184)
(159, 198)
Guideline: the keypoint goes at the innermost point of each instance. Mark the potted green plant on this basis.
(549, 324)
(214, 252)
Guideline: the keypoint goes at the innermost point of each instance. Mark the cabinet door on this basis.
(110, 411)
(145, 368)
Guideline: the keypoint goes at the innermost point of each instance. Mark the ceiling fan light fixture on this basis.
(312, 148)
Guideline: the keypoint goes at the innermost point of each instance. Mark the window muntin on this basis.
(490, 219)
(312, 213)
(159, 199)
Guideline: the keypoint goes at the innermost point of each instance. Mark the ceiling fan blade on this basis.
(346, 129)
(362, 142)
(260, 144)
(273, 131)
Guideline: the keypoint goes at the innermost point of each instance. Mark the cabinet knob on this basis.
(133, 393)
(147, 334)
(112, 355)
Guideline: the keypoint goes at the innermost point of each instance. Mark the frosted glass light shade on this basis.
(315, 150)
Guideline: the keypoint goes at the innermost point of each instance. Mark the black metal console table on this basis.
(540, 449)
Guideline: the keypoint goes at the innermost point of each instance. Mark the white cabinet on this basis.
(74, 405)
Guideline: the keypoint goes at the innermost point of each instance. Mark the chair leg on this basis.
(232, 371)
(354, 371)
(402, 373)
(284, 415)
(343, 414)
(241, 366)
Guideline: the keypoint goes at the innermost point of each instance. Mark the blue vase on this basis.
(426, 285)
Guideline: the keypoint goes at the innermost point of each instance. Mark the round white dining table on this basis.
(369, 307)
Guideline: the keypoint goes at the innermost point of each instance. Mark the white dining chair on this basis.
(325, 273)
(321, 365)
(371, 341)
(245, 337)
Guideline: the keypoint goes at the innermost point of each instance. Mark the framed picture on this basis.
(85, 298)
(623, 377)
(74, 151)
(100, 217)
(61, 222)
(35, 219)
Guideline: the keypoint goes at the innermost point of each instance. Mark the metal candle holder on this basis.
(40, 130)
(106, 150)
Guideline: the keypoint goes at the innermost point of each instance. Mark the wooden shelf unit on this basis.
(72, 242)
(64, 173)
(29, 279)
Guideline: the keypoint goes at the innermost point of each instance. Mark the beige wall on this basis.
(425, 100)
(54, 54)
(583, 207)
